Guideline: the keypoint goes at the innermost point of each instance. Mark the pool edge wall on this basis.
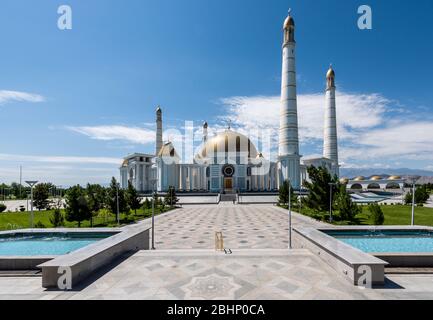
(8, 263)
(344, 259)
(406, 259)
(84, 262)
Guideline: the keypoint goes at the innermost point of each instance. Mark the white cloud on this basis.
(410, 140)
(354, 112)
(7, 96)
(59, 159)
(368, 128)
(117, 132)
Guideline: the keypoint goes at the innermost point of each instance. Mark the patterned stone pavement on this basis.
(243, 227)
(249, 273)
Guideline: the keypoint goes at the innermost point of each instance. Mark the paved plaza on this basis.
(243, 227)
(185, 265)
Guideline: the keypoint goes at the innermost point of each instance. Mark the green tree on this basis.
(112, 193)
(147, 204)
(319, 190)
(283, 193)
(57, 219)
(376, 214)
(41, 193)
(421, 195)
(77, 208)
(171, 198)
(95, 195)
(347, 209)
(133, 198)
(39, 225)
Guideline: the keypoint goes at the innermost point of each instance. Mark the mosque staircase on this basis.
(228, 197)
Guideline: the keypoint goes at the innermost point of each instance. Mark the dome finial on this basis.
(290, 11)
(331, 72)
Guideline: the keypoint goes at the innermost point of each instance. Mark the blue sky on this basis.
(73, 103)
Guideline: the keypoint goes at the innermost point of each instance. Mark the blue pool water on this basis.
(387, 241)
(39, 245)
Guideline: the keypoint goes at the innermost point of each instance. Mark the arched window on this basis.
(226, 148)
(238, 150)
(215, 153)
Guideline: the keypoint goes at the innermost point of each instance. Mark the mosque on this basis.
(230, 162)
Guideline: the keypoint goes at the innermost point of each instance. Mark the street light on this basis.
(290, 215)
(153, 215)
(331, 184)
(31, 184)
(117, 203)
(413, 205)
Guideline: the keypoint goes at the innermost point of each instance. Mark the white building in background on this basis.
(230, 162)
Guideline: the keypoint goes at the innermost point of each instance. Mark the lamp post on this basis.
(153, 216)
(117, 203)
(413, 205)
(31, 184)
(290, 215)
(331, 184)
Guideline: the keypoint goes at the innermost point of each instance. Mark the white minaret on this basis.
(330, 142)
(158, 130)
(289, 158)
(205, 126)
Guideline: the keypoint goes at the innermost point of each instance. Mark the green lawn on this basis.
(394, 215)
(15, 220)
(401, 215)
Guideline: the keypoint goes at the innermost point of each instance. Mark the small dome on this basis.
(330, 73)
(205, 125)
(168, 150)
(289, 22)
(158, 110)
(344, 180)
(394, 178)
(376, 178)
(359, 178)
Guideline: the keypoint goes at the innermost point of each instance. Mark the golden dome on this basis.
(360, 178)
(394, 178)
(344, 180)
(289, 22)
(235, 141)
(330, 73)
(376, 178)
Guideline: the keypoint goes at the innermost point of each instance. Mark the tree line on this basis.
(319, 198)
(85, 203)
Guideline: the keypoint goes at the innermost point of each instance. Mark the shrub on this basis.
(39, 225)
(57, 219)
(376, 214)
(346, 207)
(2, 207)
(147, 204)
